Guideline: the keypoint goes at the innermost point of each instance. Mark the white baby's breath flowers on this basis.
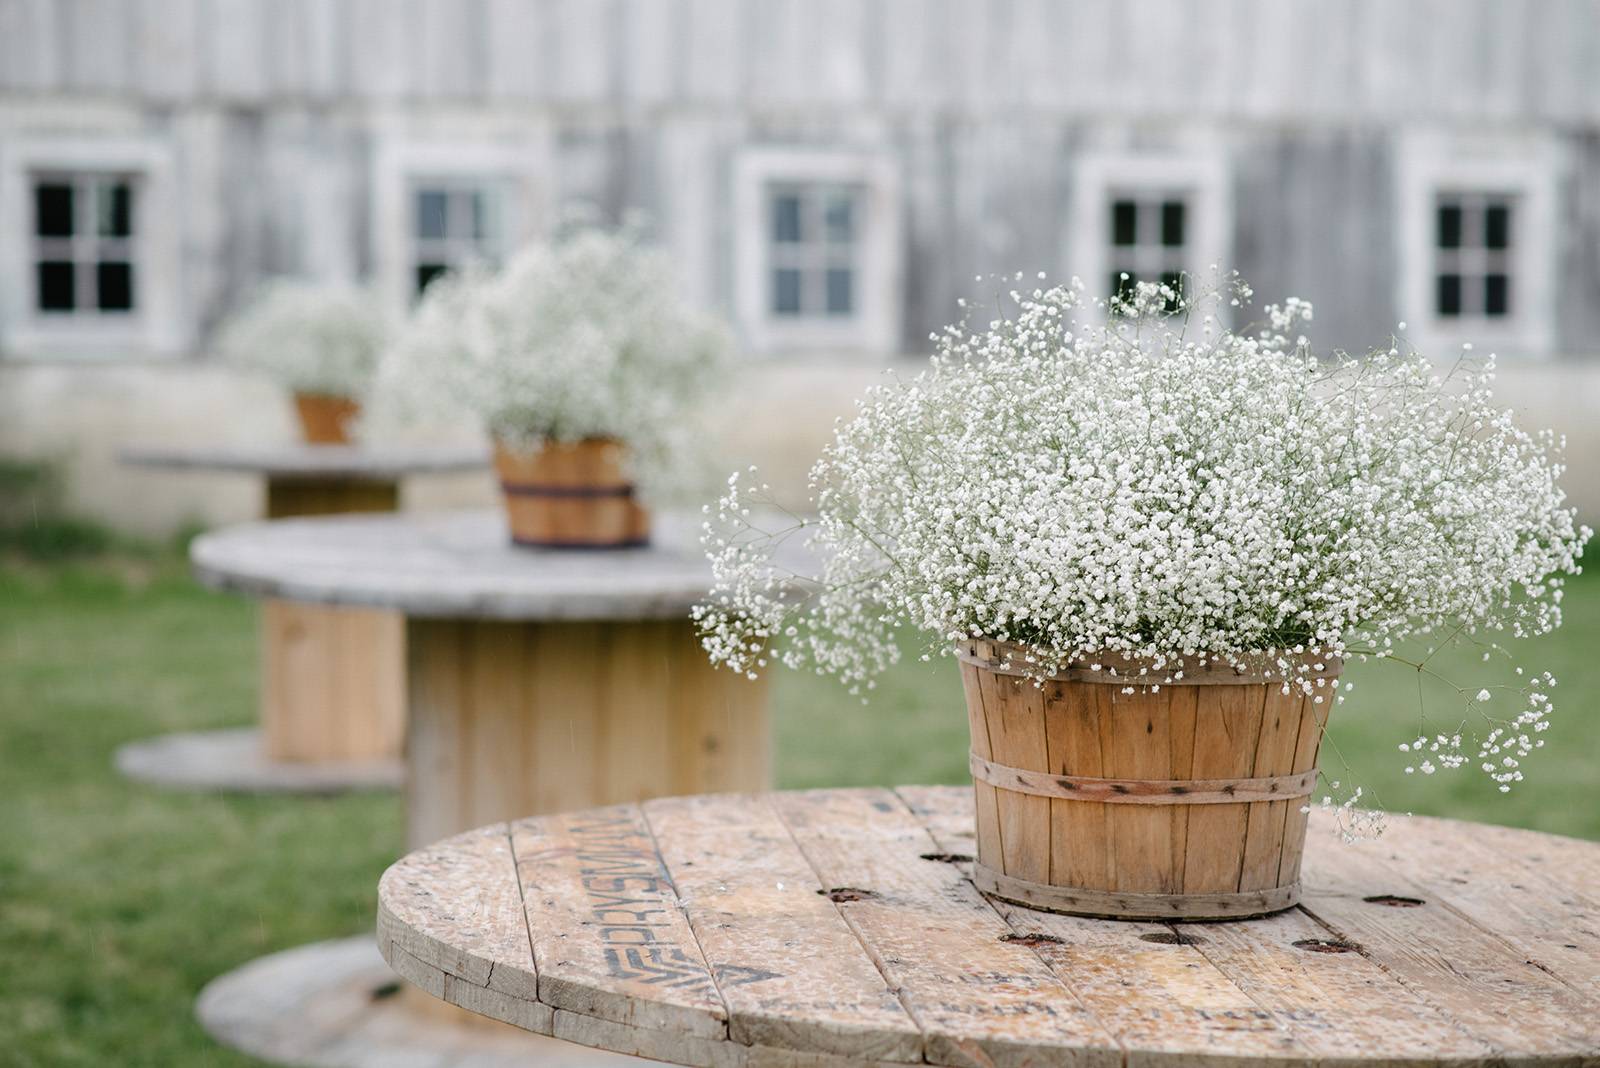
(586, 337)
(1081, 481)
(310, 337)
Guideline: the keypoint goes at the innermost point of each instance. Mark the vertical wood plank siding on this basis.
(983, 105)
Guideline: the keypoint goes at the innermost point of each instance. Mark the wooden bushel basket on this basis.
(325, 418)
(571, 495)
(1173, 802)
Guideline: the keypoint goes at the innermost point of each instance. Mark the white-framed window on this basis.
(818, 251)
(455, 221)
(85, 257)
(440, 204)
(1149, 238)
(1474, 265)
(1147, 218)
(1476, 243)
(89, 248)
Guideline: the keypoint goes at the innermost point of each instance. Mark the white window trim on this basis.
(1203, 176)
(1432, 164)
(875, 326)
(401, 161)
(156, 327)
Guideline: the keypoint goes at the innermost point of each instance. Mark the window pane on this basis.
(427, 272)
(57, 288)
(1449, 226)
(839, 217)
(114, 286)
(1124, 222)
(113, 209)
(1175, 280)
(786, 217)
(1122, 283)
(841, 296)
(1497, 226)
(1496, 295)
(786, 291)
(1172, 223)
(432, 208)
(52, 203)
(480, 215)
(1449, 294)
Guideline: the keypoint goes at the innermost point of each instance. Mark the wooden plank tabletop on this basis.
(298, 460)
(458, 565)
(840, 927)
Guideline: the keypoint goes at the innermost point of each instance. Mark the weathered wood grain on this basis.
(1316, 996)
(459, 910)
(979, 999)
(609, 938)
(694, 931)
(1482, 980)
(790, 969)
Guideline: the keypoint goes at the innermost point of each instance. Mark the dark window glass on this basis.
(432, 210)
(427, 272)
(1124, 222)
(840, 218)
(1122, 283)
(1497, 226)
(114, 286)
(52, 210)
(786, 291)
(786, 217)
(1449, 294)
(480, 215)
(1449, 226)
(57, 287)
(1496, 295)
(1175, 280)
(1172, 223)
(841, 298)
(114, 210)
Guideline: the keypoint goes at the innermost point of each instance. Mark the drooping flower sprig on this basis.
(1136, 478)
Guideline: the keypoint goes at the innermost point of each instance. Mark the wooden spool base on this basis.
(510, 718)
(236, 761)
(332, 682)
(1108, 905)
(337, 1005)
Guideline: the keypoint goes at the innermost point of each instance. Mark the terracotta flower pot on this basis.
(571, 495)
(325, 418)
(1181, 801)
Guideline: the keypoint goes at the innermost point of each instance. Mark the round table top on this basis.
(297, 460)
(735, 930)
(456, 565)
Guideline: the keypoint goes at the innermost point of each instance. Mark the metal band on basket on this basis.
(1118, 905)
(1142, 791)
(535, 489)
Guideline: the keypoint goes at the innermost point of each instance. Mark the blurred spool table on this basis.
(332, 711)
(536, 681)
(841, 927)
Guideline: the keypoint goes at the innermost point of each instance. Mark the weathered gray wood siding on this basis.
(271, 106)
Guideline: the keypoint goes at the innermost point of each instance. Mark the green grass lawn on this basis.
(118, 902)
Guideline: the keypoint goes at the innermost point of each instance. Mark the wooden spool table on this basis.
(536, 681)
(841, 927)
(331, 706)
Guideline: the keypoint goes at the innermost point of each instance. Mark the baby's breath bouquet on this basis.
(1138, 485)
(316, 339)
(585, 338)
